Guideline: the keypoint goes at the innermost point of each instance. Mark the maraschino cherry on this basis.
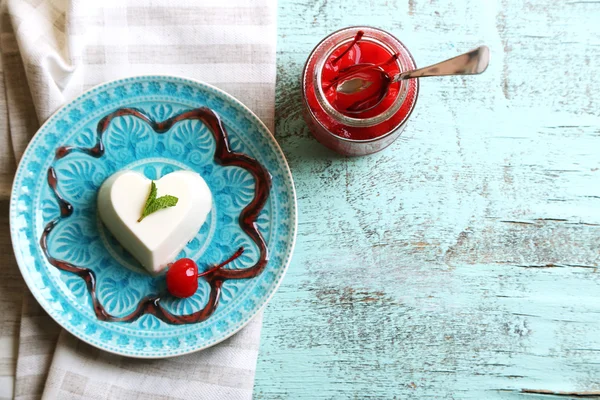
(182, 276)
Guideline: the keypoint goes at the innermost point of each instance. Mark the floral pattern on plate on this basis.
(132, 144)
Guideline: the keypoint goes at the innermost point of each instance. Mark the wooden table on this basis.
(463, 261)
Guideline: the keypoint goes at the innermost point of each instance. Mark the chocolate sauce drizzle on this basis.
(216, 276)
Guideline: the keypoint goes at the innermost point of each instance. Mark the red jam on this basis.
(365, 60)
(362, 121)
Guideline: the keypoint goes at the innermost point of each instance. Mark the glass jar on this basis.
(366, 132)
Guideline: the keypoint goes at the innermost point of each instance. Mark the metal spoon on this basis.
(471, 63)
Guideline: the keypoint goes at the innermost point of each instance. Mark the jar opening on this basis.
(356, 120)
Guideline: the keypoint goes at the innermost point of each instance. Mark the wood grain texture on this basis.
(462, 262)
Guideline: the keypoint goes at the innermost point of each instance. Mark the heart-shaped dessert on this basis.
(154, 238)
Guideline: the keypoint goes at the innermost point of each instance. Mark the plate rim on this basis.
(293, 213)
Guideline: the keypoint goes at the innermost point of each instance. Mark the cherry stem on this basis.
(346, 72)
(358, 36)
(238, 253)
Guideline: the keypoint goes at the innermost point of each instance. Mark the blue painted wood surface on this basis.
(463, 261)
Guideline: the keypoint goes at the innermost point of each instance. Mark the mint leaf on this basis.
(153, 204)
(151, 196)
(160, 203)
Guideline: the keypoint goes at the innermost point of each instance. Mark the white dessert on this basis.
(156, 240)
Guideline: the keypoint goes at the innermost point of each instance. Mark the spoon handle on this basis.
(471, 63)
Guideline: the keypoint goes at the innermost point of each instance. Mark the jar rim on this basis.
(359, 122)
(345, 119)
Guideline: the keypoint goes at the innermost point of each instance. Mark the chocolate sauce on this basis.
(214, 276)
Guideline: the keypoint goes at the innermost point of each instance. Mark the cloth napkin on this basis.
(52, 51)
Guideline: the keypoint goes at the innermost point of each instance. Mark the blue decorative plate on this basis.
(76, 236)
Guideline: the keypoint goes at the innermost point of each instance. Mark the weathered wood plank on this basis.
(463, 261)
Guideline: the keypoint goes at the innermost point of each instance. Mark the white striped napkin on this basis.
(52, 51)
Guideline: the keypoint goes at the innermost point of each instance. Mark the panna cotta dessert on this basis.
(154, 220)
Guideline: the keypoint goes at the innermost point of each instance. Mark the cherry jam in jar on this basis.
(358, 123)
